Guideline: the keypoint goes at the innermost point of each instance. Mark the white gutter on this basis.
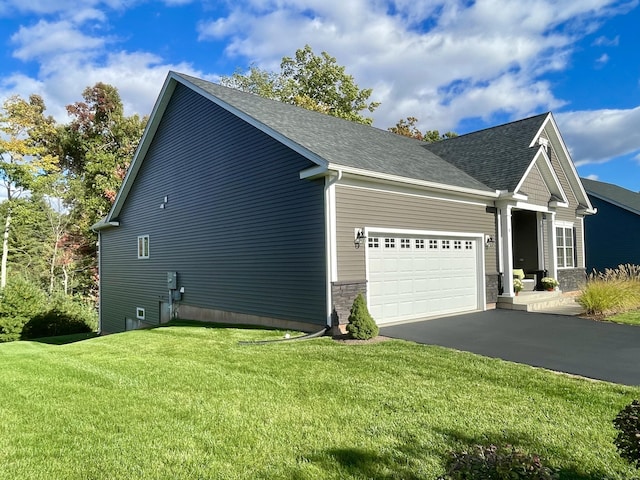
(330, 238)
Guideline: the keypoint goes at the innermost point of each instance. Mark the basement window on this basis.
(143, 246)
(140, 313)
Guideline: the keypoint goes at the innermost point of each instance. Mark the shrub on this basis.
(361, 324)
(612, 291)
(20, 301)
(65, 317)
(496, 463)
(628, 439)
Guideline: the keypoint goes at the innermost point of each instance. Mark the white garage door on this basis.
(413, 277)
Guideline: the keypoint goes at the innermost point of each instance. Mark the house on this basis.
(611, 237)
(241, 209)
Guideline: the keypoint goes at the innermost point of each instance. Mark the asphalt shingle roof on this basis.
(497, 156)
(345, 143)
(613, 194)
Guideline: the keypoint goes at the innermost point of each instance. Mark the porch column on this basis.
(506, 250)
(551, 235)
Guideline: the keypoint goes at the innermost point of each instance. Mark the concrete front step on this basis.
(539, 302)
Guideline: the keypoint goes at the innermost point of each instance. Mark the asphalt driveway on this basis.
(600, 350)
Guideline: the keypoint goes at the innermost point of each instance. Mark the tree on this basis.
(25, 158)
(315, 82)
(95, 149)
(408, 128)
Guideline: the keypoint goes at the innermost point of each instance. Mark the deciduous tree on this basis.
(315, 82)
(25, 158)
(95, 148)
(409, 128)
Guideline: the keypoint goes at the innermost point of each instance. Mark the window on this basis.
(405, 243)
(565, 251)
(446, 244)
(419, 244)
(389, 243)
(140, 313)
(468, 245)
(433, 244)
(143, 246)
(457, 244)
(374, 242)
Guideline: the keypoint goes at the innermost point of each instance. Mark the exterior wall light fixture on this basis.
(359, 237)
(489, 241)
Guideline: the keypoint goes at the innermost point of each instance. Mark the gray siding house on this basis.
(612, 235)
(240, 209)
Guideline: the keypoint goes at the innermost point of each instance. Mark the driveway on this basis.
(600, 350)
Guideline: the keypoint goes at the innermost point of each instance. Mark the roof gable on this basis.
(335, 143)
(499, 156)
(331, 143)
(618, 196)
(502, 156)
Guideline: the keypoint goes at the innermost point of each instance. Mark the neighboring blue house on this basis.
(612, 235)
(241, 209)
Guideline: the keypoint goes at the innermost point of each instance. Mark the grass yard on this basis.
(629, 318)
(188, 402)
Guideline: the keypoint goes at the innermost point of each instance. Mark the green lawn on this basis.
(629, 318)
(188, 402)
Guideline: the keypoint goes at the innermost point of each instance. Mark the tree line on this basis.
(57, 180)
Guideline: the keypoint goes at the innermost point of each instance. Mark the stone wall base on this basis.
(572, 279)
(343, 294)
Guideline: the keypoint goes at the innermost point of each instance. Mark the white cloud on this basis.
(439, 61)
(598, 136)
(46, 39)
(602, 60)
(592, 177)
(607, 42)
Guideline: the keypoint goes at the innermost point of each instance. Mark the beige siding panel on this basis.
(362, 207)
(535, 187)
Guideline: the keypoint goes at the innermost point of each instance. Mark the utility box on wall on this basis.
(172, 280)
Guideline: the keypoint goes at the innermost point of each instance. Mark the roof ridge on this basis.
(502, 125)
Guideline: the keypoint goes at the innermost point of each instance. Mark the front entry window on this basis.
(564, 247)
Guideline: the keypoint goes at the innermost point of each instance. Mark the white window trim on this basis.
(565, 226)
(140, 313)
(143, 246)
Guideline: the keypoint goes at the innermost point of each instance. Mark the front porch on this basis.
(543, 302)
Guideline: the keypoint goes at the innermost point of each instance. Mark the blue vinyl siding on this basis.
(243, 231)
(611, 236)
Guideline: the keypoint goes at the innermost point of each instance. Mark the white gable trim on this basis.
(565, 161)
(253, 122)
(156, 116)
(548, 175)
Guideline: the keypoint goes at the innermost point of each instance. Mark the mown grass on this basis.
(187, 402)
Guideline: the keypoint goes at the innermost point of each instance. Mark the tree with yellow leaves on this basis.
(25, 160)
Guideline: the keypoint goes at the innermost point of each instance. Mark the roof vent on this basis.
(544, 142)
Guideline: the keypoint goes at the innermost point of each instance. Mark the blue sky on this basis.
(454, 64)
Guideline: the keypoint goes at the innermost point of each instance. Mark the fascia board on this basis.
(412, 181)
(156, 116)
(574, 178)
(535, 138)
(296, 147)
(149, 132)
(103, 225)
(548, 171)
(613, 202)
